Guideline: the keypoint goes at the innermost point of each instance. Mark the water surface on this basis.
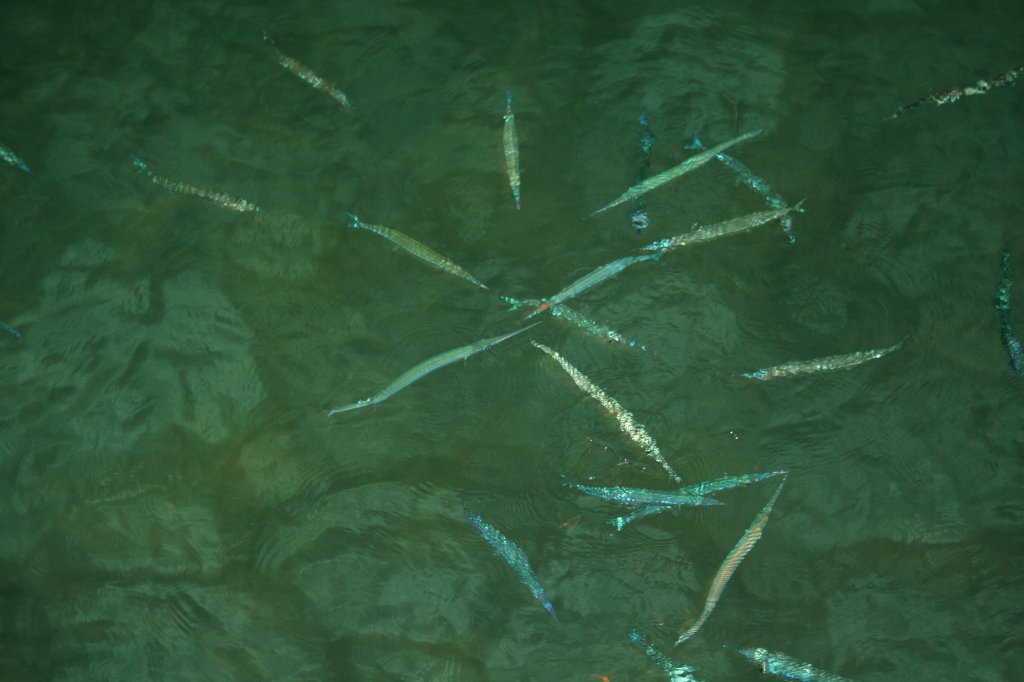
(177, 505)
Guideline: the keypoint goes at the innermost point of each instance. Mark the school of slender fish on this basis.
(641, 502)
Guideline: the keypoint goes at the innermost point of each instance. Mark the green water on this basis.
(176, 505)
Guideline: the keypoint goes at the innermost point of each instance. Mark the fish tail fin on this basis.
(355, 220)
(695, 143)
(140, 165)
(351, 406)
(549, 607)
(267, 38)
(799, 206)
(508, 99)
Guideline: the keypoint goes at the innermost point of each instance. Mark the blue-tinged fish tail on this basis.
(266, 37)
(547, 605)
(695, 143)
(355, 220)
(140, 165)
(799, 206)
(508, 98)
(10, 330)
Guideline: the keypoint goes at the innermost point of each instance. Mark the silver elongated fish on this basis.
(756, 183)
(510, 141)
(703, 233)
(954, 94)
(627, 423)
(638, 218)
(692, 163)
(223, 200)
(698, 489)
(514, 556)
(593, 327)
(10, 330)
(676, 673)
(731, 563)
(424, 368)
(827, 364)
(644, 496)
(307, 75)
(779, 664)
(10, 157)
(416, 248)
(596, 276)
(573, 317)
(1011, 342)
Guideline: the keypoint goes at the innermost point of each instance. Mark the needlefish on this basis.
(1006, 333)
(638, 219)
(703, 233)
(827, 364)
(307, 75)
(644, 496)
(756, 183)
(676, 673)
(510, 141)
(692, 163)
(779, 664)
(415, 248)
(424, 368)
(627, 423)
(699, 490)
(10, 157)
(731, 563)
(954, 94)
(223, 200)
(10, 330)
(573, 317)
(514, 556)
(593, 327)
(591, 279)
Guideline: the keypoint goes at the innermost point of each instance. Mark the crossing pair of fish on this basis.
(649, 502)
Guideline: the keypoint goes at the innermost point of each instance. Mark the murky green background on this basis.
(175, 504)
